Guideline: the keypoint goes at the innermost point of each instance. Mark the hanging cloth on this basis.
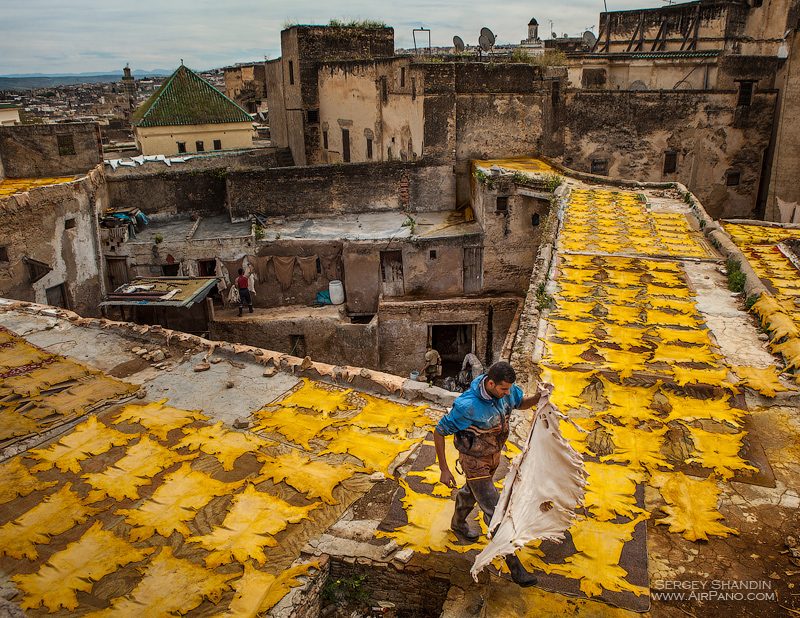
(261, 267)
(221, 272)
(331, 266)
(284, 270)
(308, 267)
(233, 267)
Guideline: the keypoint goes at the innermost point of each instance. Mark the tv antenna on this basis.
(489, 35)
(414, 36)
(589, 39)
(458, 43)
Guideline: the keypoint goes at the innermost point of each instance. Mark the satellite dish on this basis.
(489, 35)
(589, 39)
(458, 43)
(484, 43)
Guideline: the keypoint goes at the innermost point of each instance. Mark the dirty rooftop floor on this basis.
(650, 353)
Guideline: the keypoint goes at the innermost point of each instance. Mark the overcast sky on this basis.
(61, 36)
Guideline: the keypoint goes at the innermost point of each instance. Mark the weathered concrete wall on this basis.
(336, 189)
(612, 73)
(786, 158)
(32, 151)
(403, 327)
(351, 97)
(277, 106)
(327, 340)
(712, 136)
(303, 48)
(511, 237)
(55, 225)
(197, 186)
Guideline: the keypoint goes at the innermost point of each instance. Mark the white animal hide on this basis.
(548, 470)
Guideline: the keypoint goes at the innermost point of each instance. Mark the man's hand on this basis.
(447, 478)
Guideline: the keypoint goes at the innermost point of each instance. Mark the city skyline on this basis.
(46, 36)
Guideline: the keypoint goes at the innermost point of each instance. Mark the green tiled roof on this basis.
(186, 98)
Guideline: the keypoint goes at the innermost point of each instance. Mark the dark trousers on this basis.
(480, 491)
(245, 299)
(484, 493)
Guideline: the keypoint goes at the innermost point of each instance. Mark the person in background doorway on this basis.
(474, 365)
(243, 285)
(433, 365)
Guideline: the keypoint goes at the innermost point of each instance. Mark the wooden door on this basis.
(392, 273)
(473, 269)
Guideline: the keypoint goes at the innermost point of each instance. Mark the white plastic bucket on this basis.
(336, 290)
(414, 375)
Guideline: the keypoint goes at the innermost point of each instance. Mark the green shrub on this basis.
(736, 278)
(553, 182)
(345, 590)
(543, 299)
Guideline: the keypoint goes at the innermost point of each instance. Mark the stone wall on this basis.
(197, 186)
(57, 226)
(403, 328)
(337, 189)
(712, 137)
(327, 340)
(784, 189)
(511, 235)
(46, 150)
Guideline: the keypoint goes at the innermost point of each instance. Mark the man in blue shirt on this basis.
(479, 423)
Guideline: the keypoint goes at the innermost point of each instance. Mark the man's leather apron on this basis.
(479, 449)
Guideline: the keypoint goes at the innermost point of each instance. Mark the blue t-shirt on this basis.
(476, 407)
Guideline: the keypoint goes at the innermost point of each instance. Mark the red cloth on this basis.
(242, 282)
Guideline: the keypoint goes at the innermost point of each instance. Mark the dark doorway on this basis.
(206, 268)
(57, 296)
(170, 270)
(346, 145)
(453, 342)
(297, 346)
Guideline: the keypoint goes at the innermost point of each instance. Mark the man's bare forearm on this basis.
(441, 456)
(529, 402)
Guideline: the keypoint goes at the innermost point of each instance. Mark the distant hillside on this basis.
(28, 82)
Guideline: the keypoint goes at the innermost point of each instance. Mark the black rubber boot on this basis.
(519, 575)
(240, 312)
(251, 308)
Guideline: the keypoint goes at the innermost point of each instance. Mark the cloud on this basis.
(54, 36)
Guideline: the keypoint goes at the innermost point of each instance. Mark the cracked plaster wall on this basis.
(327, 340)
(72, 253)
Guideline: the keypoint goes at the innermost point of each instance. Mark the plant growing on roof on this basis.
(410, 223)
(543, 299)
(553, 182)
(483, 178)
(736, 278)
(158, 239)
(258, 232)
(364, 24)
